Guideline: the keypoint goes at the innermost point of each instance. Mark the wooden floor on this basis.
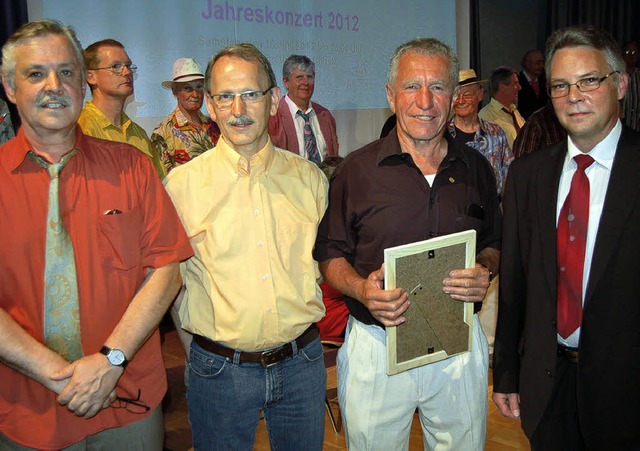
(502, 434)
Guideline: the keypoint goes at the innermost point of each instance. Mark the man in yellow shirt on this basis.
(110, 78)
(251, 301)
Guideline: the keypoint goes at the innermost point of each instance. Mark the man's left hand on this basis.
(468, 285)
(92, 385)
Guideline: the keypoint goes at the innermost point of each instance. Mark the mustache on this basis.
(53, 98)
(241, 120)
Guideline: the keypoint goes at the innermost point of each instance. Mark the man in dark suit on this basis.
(533, 95)
(567, 349)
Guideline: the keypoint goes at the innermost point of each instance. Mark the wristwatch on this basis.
(115, 356)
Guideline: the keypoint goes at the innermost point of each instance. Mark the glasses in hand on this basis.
(133, 405)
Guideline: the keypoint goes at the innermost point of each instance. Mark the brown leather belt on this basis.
(265, 358)
(569, 354)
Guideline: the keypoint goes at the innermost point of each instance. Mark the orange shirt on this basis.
(112, 252)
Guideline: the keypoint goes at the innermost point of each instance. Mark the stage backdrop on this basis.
(349, 41)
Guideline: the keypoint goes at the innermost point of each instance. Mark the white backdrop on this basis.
(349, 41)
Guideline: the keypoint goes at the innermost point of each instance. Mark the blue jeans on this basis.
(225, 399)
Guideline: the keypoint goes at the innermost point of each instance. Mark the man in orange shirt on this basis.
(89, 266)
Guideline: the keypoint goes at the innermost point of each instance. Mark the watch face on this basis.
(116, 357)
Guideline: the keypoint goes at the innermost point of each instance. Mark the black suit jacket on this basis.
(528, 102)
(608, 385)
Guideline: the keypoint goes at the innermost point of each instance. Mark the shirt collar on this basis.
(294, 108)
(102, 119)
(18, 152)
(181, 120)
(238, 165)
(391, 148)
(528, 77)
(500, 106)
(603, 152)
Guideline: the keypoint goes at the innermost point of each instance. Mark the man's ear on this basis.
(91, 78)
(391, 97)
(623, 85)
(208, 101)
(11, 92)
(275, 99)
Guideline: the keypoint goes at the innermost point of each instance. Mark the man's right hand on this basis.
(387, 306)
(508, 404)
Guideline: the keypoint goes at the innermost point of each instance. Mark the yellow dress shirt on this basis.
(252, 282)
(94, 123)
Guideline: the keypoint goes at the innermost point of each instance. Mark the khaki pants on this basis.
(143, 435)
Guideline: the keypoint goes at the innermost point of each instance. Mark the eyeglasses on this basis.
(559, 89)
(118, 68)
(467, 97)
(133, 405)
(225, 100)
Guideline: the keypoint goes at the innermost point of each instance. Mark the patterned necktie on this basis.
(61, 310)
(310, 145)
(513, 117)
(572, 237)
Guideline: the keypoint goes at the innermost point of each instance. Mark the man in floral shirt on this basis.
(186, 132)
(467, 128)
(6, 128)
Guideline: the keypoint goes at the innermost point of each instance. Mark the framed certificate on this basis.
(437, 326)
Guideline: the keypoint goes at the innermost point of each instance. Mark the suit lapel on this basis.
(619, 203)
(547, 181)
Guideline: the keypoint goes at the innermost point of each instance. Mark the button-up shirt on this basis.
(494, 112)
(252, 223)
(491, 141)
(179, 140)
(95, 123)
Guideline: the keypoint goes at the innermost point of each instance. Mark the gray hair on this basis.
(34, 30)
(300, 62)
(245, 51)
(589, 36)
(424, 46)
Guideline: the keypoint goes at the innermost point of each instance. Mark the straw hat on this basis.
(468, 77)
(184, 69)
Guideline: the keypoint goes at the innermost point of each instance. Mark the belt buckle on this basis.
(273, 357)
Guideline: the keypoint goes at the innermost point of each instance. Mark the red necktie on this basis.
(536, 87)
(572, 238)
(513, 117)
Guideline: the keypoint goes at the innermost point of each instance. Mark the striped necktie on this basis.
(310, 144)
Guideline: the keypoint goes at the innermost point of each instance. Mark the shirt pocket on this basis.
(119, 239)
(295, 242)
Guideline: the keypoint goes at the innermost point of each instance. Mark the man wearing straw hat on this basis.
(186, 132)
(484, 136)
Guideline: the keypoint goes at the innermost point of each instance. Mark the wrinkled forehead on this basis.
(469, 89)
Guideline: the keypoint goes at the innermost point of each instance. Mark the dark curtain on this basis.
(618, 17)
(13, 14)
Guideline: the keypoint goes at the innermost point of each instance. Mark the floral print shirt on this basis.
(179, 140)
(491, 141)
(6, 127)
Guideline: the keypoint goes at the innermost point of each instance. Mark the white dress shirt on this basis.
(598, 174)
(315, 126)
